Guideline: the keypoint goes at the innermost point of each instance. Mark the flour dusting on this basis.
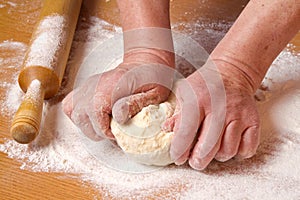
(274, 173)
(11, 57)
(47, 43)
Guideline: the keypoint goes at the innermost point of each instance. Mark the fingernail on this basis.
(242, 156)
(222, 158)
(181, 161)
(196, 164)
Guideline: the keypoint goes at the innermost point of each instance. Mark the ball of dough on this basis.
(142, 138)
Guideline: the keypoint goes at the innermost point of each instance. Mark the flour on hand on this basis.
(142, 137)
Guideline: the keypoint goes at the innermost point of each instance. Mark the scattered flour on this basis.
(34, 89)
(9, 3)
(46, 44)
(11, 57)
(274, 173)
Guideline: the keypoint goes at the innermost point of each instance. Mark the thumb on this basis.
(127, 107)
(139, 87)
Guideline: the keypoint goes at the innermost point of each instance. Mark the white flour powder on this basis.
(274, 173)
(8, 3)
(11, 57)
(50, 35)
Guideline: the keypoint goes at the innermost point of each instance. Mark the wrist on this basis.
(144, 55)
(239, 71)
(149, 45)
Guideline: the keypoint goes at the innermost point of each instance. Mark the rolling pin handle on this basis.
(26, 123)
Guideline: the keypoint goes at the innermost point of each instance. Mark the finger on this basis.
(75, 96)
(99, 112)
(127, 107)
(67, 104)
(210, 133)
(71, 100)
(183, 158)
(197, 161)
(101, 122)
(82, 121)
(188, 120)
(168, 125)
(104, 124)
(185, 131)
(141, 76)
(230, 141)
(249, 143)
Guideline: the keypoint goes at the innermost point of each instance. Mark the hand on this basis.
(121, 92)
(216, 117)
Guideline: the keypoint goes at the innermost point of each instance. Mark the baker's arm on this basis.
(242, 58)
(146, 28)
(260, 33)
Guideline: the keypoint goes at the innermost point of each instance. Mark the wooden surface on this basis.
(17, 20)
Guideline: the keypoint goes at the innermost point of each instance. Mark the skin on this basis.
(91, 106)
(241, 60)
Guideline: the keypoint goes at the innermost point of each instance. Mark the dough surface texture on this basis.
(142, 138)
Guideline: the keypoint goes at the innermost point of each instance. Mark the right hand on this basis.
(216, 117)
(121, 92)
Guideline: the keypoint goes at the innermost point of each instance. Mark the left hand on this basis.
(142, 79)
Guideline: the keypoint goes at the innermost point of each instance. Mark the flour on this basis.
(11, 57)
(47, 42)
(34, 89)
(9, 3)
(274, 172)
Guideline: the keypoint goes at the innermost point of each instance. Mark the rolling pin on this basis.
(44, 64)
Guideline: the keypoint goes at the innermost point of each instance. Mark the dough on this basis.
(142, 138)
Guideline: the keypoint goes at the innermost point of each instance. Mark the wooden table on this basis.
(17, 20)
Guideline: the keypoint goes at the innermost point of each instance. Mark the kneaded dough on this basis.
(142, 138)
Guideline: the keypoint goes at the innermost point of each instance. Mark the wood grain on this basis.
(17, 21)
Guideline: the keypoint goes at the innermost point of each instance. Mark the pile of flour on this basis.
(274, 172)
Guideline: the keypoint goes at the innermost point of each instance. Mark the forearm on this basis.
(144, 13)
(259, 34)
(146, 30)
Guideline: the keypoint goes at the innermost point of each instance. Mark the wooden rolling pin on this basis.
(44, 64)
